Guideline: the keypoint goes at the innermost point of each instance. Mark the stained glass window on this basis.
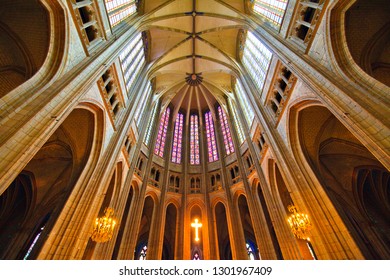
(132, 59)
(211, 141)
(118, 10)
(243, 99)
(177, 139)
(256, 59)
(237, 122)
(194, 140)
(142, 254)
(250, 251)
(227, 137)
(196, 257)
(162, 133)
(149, 128)
(271, 10)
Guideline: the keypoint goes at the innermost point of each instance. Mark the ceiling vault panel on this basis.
(193, 50)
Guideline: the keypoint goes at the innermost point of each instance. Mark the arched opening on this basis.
(144, 229)
(367, 31)
(123, 224)
(170, 232)
(246, 222)
(56, 168)
(224, 248)
(24, 41)
(15, 204)
(270, 225)
(305, 247)
(113, 185)
(355, 181)
(196, 239)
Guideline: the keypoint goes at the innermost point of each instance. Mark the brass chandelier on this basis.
(299, 223)
(103, 229)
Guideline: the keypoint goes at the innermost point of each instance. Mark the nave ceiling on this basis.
(193, 49)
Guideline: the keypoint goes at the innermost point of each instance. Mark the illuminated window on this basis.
(162, 133)
(243, 99)
(149, 128)
(142, 254)
(271, 10)
(237, 122)
(118, 10)
(132, 59)
(33, 243)
(227, 137)
(177, 139)
(141, 104)
(194, 140)
(256, 59)
(250, 252)
(196, 256)
(211, 141)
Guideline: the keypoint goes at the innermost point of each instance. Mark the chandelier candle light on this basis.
(104, 227)
(299, 223)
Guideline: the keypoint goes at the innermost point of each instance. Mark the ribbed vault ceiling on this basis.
(193, 49)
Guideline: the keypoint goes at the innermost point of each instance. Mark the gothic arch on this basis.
(360, 39)
(260, 197)
(109, 200)
(146, 222)
(29, 47)
(246, 222)
(56, 168)
(222, 231)
(332, 157)
(125, 218)
(170, 239)
(278, 186)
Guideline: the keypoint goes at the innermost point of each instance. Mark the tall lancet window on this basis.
(151, 121)
(162, 133)
(132, 59)
(118, 10)
(227, 136)
(237, 123)
(211, 141)
(177, 139)
(141, 104)
(256, 59)
(271, 10)
(194, 140)
(243, 99)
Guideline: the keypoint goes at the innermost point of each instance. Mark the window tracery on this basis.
(132, 59)
(177, 139)
(256, 59)
(227, 137)
(119, 10)
(194, 140)
(162, 133)
(271, 10)
(211, 141)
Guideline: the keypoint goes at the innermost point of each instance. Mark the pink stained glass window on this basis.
(227, 136)
(162, 133)
(177, 139)
(211, 141)
(194, 140)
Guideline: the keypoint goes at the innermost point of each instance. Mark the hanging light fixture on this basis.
(299, 223)
(104, 226)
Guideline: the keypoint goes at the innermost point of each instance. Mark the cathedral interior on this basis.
(194, 129)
